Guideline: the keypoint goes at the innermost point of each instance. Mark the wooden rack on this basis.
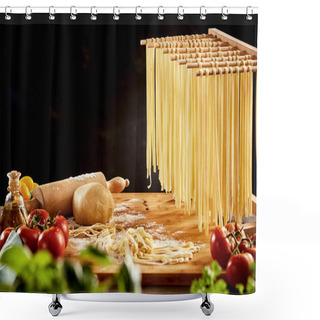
(219, 49)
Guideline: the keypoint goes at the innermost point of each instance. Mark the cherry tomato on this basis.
(232, 227)
(252, 251)
(243, 246)
(41, 216)
(61, 222)
(29, 236)
(52, 240)
(238, 269)
(4, 236)
(221, 246)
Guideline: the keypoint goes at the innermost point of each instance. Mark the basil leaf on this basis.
(16, 258)
(13, 240)
(209, 282)
(95, 256)
(129, 278)
(8, 276)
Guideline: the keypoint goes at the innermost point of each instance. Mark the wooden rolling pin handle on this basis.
(117, 184)
(32, 204)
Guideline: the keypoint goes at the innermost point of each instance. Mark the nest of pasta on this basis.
(118, 242)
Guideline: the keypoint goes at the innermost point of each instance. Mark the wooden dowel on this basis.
(226, 58)
(185, 61)
(190, 50)
(203, 55)
(177, 38)
(234, 41)
(220, 64)
(206, 72)
(181, 44)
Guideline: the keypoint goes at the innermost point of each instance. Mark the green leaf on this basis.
(251, 282)
(95, 256)
(73, 274)
(253, 269)
(209, 282)
(240, 288)
(129, 277)
(16, 258)
(13, 240)
(42, 258)
(89, 280)
(220, 287)
(251, 285)
(8, 276)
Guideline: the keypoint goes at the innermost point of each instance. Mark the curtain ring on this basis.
(28, 13)
(138, 16)
(160, 15)
(73, 13)
(203, 13)
(180, 13)
(52, 12)
(7, 10)
(224, 13)
(116, 13)
(93, 16)
(249, 14)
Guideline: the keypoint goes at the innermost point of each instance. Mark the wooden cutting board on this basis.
(159, 211)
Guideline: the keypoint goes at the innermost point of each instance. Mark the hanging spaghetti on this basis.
(199, 125)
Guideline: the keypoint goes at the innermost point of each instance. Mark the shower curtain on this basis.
(82, 212)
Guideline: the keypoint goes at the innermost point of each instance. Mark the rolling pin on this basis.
(56, 197)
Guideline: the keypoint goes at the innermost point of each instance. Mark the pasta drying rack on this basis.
(207, 54)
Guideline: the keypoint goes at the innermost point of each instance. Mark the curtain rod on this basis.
(130, 10)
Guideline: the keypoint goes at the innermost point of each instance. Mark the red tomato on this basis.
(4, 236)
(29, 237)
(41, 216)
(221, 246)
(238, 269)
(252, 251)
(61, 222)
(231, 227)
(243, 246)
(52, 240)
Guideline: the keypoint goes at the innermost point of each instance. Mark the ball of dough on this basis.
(92, 203)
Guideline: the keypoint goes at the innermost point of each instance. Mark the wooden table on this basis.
(160, 209)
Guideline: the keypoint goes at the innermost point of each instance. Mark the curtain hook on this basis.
(249, 14)
(52, 12)
(160, 15)
(138, 16)
(224, 13)
(73, 13)
(7, 10)
(28, 13)
(203, 13)
(180, 13)
(93, 16)
(116, 14)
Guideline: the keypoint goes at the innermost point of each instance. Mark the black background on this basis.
(73, 96)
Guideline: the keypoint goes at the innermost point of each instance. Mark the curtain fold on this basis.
(73, 93)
